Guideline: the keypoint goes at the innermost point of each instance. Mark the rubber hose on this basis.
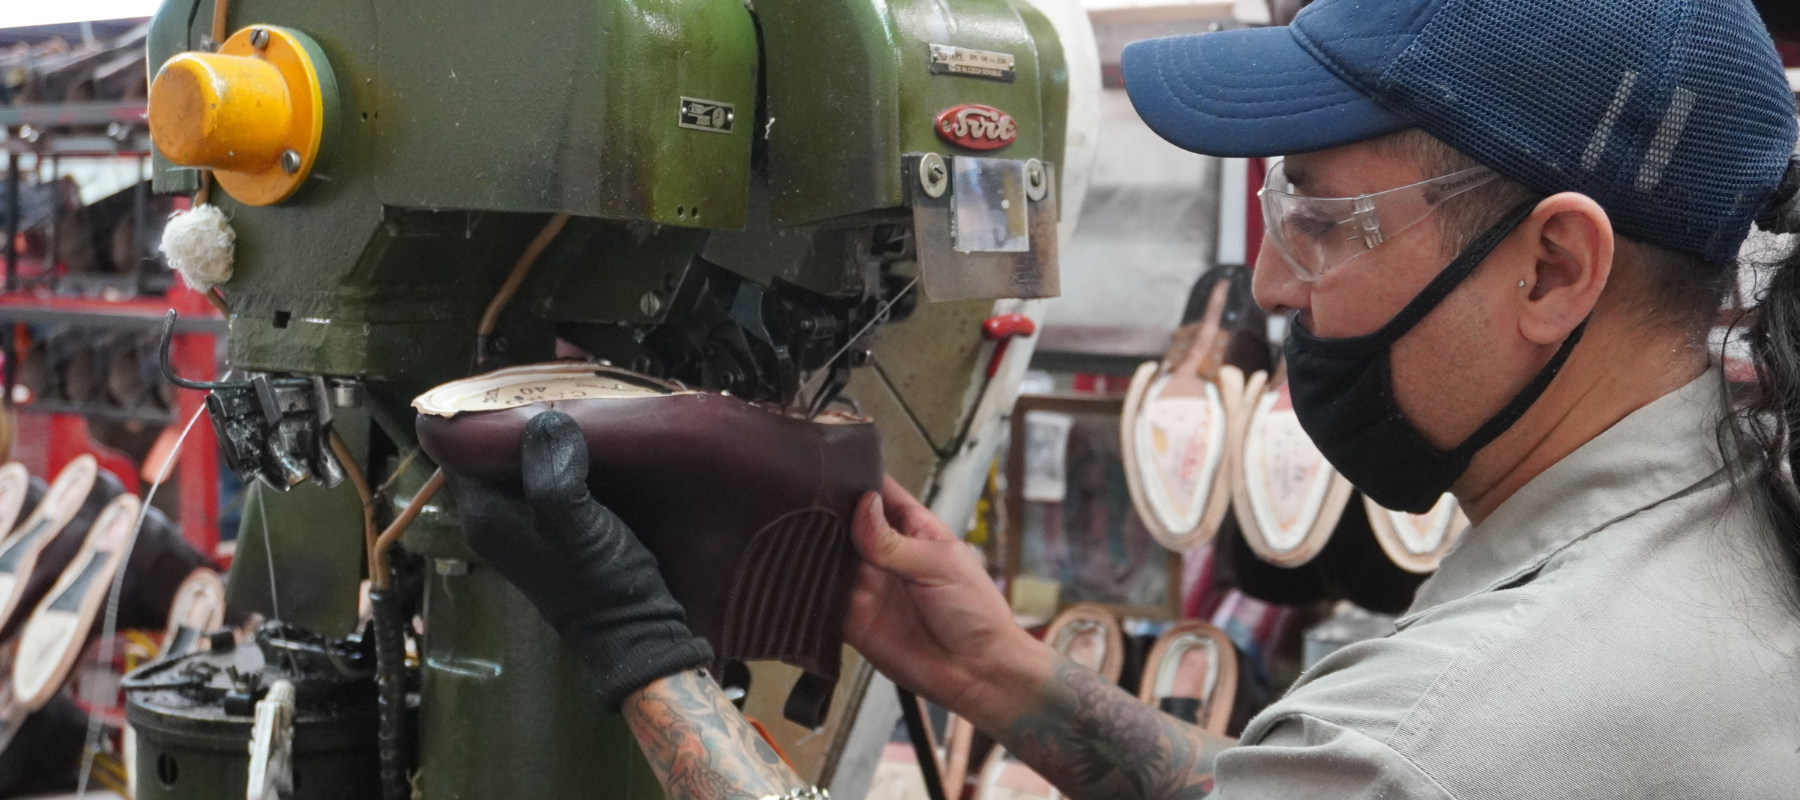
(390, 687)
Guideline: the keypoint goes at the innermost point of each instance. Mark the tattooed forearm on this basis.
(1094, 741)
(700, 746)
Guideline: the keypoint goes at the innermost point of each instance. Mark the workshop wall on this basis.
(1147, 231)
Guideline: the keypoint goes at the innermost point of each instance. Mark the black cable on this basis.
(390, 688)
(914, 713)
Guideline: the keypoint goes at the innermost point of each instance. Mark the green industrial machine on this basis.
(800, 201)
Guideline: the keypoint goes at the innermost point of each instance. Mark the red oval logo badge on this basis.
(977, 127)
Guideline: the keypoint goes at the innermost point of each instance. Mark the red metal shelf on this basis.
(192, 353)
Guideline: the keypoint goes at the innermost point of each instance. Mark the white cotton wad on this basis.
(199, 244)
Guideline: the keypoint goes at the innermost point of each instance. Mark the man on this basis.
(1502, 230)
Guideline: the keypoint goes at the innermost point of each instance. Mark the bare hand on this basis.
(924, 612)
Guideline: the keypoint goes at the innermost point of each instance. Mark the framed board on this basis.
(1069, 518)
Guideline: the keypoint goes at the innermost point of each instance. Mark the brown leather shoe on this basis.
(745, 506)
(58, 628)
(41, 752)
(35, 553)
(161, 560)
(1090, 635)
(1191, 674)
(15, 494)
(199, 607)
(12, 712)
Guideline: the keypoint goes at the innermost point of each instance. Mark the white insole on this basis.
(62, 620)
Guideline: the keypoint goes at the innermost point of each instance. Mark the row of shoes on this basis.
(62, 69)
(1190, 673)
(69, 544)
(1211, 428)
(86, 366)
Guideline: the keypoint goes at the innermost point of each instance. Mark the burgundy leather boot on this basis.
(745, 506)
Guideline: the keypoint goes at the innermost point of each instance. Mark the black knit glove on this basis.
(581, 567)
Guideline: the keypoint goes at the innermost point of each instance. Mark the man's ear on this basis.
(1571, 242)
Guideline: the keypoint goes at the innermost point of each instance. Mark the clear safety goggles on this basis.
(1317, 234)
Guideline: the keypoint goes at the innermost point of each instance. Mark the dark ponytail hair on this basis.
(1765, 421)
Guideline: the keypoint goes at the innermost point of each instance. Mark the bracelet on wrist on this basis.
(803, 793)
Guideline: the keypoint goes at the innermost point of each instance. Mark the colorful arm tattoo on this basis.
(1093, 740)
(700, 746)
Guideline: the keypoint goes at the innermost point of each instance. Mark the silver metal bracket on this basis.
(988, 264)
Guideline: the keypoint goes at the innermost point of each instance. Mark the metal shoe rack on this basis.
(85, 292)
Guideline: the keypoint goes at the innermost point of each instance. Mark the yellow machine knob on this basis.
(256, 113)
(220, 112)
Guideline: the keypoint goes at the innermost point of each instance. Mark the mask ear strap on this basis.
(1516, 408)
(1428, 298)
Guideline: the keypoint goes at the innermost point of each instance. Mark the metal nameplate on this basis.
(706, 115)
(947, 60)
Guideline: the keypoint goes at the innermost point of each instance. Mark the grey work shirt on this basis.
(1616, 629)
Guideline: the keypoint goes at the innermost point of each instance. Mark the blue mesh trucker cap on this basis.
(1674, 115)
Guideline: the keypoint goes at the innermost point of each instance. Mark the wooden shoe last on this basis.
(1178, 413)
(1418, 542)
(1287, 497)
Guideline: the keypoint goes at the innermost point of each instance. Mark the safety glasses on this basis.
(1318, 234)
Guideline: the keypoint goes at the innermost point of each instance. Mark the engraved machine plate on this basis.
(947, 60)
(706, 115)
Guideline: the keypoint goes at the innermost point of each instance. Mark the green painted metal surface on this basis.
(550, 105)
(182, 766)
(831, 261)
(602, 271)
(544, 105)
(507, 110)
(308, 543)
(463, 125)
(850, 91)
(507, 713)
(1053, 90)
(391, 294)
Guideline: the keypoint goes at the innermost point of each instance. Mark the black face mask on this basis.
(1343, 396)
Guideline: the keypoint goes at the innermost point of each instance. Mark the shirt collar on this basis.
(1651, 454)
